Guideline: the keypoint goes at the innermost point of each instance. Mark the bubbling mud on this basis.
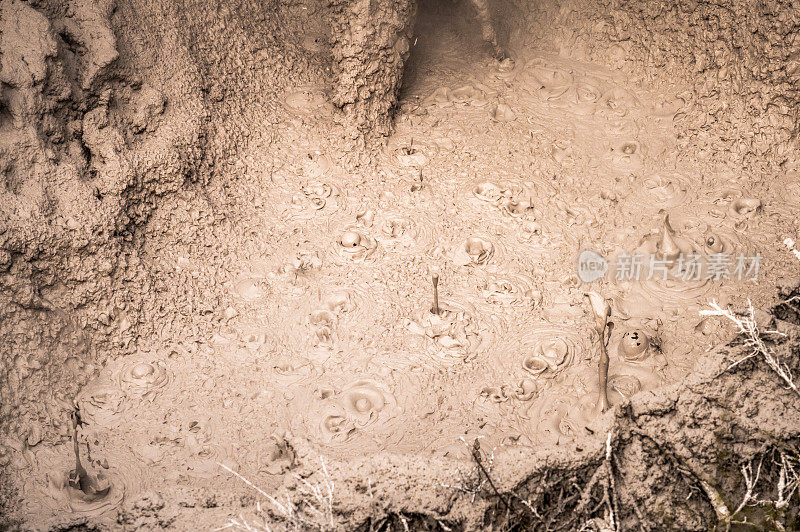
(492, 183)
(475, 251)
(143, 378)
(453, 335)
(63, 494)
(511, 290)
(111, 483)
(354, 245)
(547, 351)
(320, 195)
(675, 280)
(101, 402)
(634, 345)
(546, 81)
(343, 417)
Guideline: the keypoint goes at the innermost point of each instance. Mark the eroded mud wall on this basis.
(108, 112)
(100, 116)
(371, 42)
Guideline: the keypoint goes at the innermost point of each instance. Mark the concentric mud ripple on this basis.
(361, 408)
(658, 191)
(502, 112)
(524, 390)
(102, 402)
(715, 237)
(366, 402)
(546, 81)
(678, 285)
(413, 156)
(548, 350)
(354, 245)
(55, 464)
(487, 191)
(625, 154)
(507, 289)
(667, 107)
(554, 417)
(714, 240)
(633, 376)
(742, 208)
(360, 305)
(141, 379)
(454, 335)
(494, 394)
(512, 199)
(467, 95)
(306, 101)
(288, 370)
(318, 195)
(563, 152)
(402, 232)
(322, 323)
(252, 338)
(626, 386)
(617, 102)
(476, 250)
(586, 97)
(517, 208)
(250, 288)
(202, 451)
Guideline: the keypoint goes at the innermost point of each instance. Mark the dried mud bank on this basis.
(105, 115)
(97, 124)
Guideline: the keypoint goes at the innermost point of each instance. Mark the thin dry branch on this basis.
(747, 326)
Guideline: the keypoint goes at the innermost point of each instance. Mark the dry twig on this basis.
(747, 326)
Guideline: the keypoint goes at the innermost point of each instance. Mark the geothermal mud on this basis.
(219, 289)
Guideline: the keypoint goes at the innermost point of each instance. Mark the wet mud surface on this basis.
(295, 319)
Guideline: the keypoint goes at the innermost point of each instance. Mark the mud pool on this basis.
(317, 305)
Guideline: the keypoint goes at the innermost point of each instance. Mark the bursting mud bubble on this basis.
(411, 264)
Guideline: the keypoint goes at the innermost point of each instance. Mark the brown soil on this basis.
(219, 230)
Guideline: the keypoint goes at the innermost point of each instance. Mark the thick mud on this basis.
(311, 266)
